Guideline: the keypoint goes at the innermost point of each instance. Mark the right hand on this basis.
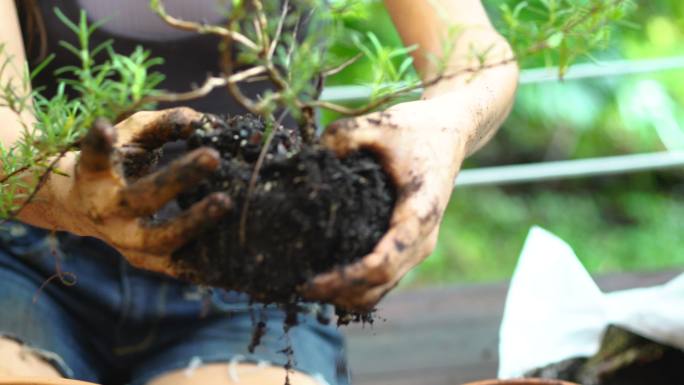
(97, 200)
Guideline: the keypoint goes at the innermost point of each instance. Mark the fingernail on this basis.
(106, 128)
(208, 159)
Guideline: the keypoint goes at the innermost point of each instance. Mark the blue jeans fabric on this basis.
(116, 324)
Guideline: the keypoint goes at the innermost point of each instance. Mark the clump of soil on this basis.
(308, 213)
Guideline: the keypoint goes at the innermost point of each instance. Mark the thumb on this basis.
(97, 147)
(348, 135)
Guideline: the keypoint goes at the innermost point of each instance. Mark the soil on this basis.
(309, 211)
(624, 358)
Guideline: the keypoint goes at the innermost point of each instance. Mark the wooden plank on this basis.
(444, 335)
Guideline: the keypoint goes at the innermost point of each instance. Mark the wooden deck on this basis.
(444, 336)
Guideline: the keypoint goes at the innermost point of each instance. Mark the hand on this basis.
(422, 155)
(97, 199)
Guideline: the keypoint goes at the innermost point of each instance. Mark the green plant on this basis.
(561, 30)
(271, 43)
(107, 89)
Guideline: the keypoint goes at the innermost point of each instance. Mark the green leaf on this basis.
(65, 20)
(42, 66)
(555, 40)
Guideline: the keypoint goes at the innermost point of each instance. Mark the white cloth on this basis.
(555, 311)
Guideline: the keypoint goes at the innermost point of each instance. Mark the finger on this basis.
(350, 280)
(361, 298)
(152, 129)
(367, 300)
(356, 294)
(412, 236)
(150, 193)
(373, 270)
(395, 251)
(158, 263)
(348, 135)
(166, 238)
(97, 147)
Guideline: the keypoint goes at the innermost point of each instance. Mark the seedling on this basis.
(300, 210)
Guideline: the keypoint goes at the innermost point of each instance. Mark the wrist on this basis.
(478, 108)
(483, 53)
(450, 119)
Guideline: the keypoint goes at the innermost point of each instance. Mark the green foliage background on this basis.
(621, 223)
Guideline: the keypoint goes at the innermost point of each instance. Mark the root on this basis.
(65, 277)
(252, 184)
(257, 333)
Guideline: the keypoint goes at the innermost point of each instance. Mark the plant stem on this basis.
(158, 7)
(270, 131)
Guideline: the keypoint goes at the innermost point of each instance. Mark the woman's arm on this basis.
(11, 126)
(426, 23)
(423, 143)
(13, 49)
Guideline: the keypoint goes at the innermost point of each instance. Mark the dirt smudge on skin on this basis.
(399, 245)
(432, 216)
(412, 187)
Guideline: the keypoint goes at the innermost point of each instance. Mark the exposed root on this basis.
(65, 277)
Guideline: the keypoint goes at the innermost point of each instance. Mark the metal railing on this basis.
(578, 168)
(353, 93)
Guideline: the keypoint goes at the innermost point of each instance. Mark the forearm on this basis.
(13, 74)
(12, 121)
(486, 89)
(488, 98)
(11, 127)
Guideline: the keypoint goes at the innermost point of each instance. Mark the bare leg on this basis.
(247, 374)
(18, 361)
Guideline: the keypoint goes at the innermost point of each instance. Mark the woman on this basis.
(121, 323)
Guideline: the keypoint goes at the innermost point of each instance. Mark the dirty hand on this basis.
(96, 198)
(422, 153)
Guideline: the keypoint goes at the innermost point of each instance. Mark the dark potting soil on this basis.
(309, 211)
(624, 358)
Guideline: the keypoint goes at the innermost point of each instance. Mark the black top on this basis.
(187, 61)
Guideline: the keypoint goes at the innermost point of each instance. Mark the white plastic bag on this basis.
(554, 310)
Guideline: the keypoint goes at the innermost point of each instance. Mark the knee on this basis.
(18, 360)
(241, 374)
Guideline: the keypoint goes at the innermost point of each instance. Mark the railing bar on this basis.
(609, 68)
(354, 93)
(580, 168)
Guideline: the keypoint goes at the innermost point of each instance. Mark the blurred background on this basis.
(631, 222)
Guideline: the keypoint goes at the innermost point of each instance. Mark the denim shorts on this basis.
(78, 304)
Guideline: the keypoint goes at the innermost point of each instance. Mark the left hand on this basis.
(422, 154)
(96, 195)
